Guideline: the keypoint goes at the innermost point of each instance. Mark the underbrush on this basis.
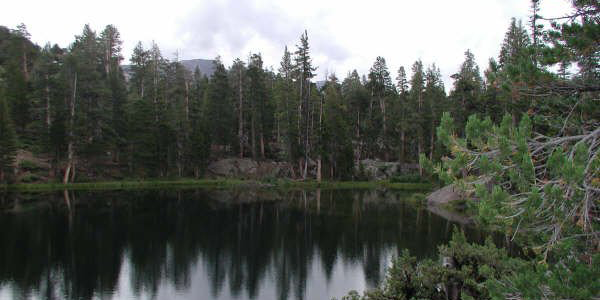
(472, 271)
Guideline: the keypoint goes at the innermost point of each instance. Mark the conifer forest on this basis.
(521, 135)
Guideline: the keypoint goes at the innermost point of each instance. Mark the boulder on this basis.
(246, 168)
(444, 195)
(378, 170)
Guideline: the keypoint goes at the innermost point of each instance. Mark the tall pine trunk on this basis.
(70, 146)
(402, 145)
(421, 138)
(47, 91)
(241, 116)
(432, 141)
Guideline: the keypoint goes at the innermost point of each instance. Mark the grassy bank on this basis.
(211, 183)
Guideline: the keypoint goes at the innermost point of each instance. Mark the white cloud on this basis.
(343, 35)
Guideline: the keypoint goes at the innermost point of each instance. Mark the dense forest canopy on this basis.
(521, 134)
(160, 119)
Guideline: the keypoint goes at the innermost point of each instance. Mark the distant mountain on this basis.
(206, 67)
(320, 83)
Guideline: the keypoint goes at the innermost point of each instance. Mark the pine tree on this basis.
(18, 55)
(261, 110)
(199, 150)
(238, 83)
(417, 106)
(139, 69)
(303, 70)
(467, 90)
(357, 99)
(8, 140)
(336, 134)
(287, 108)
(435, 97)
(111, 47)
(219, 107)
(381, 87)
(516, 66)
(402, 112)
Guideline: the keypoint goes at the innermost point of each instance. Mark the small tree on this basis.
(8, 140)
(547, 187)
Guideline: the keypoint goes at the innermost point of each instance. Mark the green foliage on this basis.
(28, 165)
(476, 271)
(8, 140)
(463, 268)
(409, 178)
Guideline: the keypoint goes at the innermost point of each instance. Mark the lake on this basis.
(239, 243)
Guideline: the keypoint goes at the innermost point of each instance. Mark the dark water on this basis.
(198, 244)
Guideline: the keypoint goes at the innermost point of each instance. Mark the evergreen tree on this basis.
(381, 87)
(517, 68)
(18, 55)
(8, 140)
(220, 109)
(288, 108)
(435, 97)
(199, 150)
(468, 87)
(402, 113)
(303, 70)
(261, 108)
(418, 108)
(336, 134)
(238, 83)
(357, 99)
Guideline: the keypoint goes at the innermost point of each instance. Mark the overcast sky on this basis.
(343, 34)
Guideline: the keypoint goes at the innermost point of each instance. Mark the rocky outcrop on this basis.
(444, 195)
(246, 168)
(437, 203)
(381, 170)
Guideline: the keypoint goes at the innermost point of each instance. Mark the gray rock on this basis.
(379, 170)
(444, 195)
(246, 168)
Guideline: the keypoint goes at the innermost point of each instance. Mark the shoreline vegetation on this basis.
(214, 183)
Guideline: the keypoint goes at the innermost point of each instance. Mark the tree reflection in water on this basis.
(243, 244)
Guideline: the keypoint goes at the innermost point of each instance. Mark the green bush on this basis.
(409, 178)
(473, 271)
(27, 178)
(27, 165)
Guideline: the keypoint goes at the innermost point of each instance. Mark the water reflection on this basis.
(221, 244)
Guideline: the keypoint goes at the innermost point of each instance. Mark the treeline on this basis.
(77, 106)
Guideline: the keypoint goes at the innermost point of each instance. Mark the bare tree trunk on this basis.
(358, 138)
(107, 56)
(420, 138)
(382, 101)
(70, 149)
(187, 101)
(25, 70)
(47, 91)
(432, 141)
(253, 133)
(320, 141)
(306, 142)
(241, 116)
(179, 158)
(262, 145)
(155, 96)
(319, 169)
(402, 145)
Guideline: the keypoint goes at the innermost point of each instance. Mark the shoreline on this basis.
(212, 183)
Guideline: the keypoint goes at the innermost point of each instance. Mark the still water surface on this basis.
(208, 244)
